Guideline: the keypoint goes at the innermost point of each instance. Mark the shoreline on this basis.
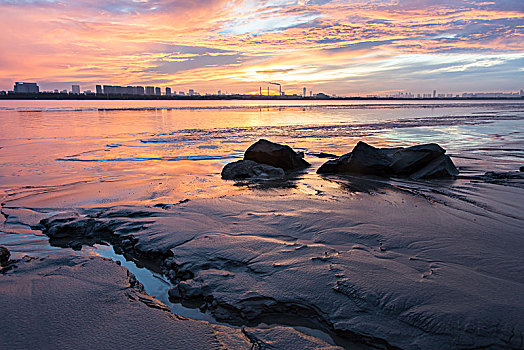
(59, 96)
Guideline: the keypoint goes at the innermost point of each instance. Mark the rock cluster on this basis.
(265, 159)
(417, 162)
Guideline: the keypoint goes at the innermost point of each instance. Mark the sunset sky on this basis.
(339, 47)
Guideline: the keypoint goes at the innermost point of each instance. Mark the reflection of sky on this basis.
(343, 47)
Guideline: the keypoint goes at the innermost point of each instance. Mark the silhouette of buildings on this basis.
(168, 91)
(122, 90)
(150, 90)
(27, 88)
(75, 89)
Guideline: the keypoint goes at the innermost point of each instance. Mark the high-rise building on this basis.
(75, 89)
(158, 92)
(191, 92)
(304, 92)
(219, 93)
(434, 93)
(99, 89)
(150, 90)
(181, 93)
(168, 91)
(28, 88)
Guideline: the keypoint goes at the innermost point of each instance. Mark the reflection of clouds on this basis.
(241, 43)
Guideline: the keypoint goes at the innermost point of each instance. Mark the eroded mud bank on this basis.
(79, 302)
(421, 267)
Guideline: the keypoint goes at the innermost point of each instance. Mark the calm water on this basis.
(96, 153)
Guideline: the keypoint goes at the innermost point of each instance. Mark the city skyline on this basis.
(115, 90)
(346, 48)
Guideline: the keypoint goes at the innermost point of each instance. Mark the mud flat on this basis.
(75, 302)
(407, 265)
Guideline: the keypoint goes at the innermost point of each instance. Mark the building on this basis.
(26, 88)
(75, 89)
(158, 92)
(168, 91)
(123, 90)
(150, 90)
(181, 93)
(98, 89)
(191, 92)
(304, 92)
(434, 93)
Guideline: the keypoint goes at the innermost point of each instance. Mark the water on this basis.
(101, 153)
(59, 155)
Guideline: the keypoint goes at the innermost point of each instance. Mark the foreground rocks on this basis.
(4, 256)
(265, 159)
(244, 169)
(417, 162)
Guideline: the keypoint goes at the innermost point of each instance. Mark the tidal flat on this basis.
(118, 222)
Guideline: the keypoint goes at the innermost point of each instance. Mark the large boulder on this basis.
(418, 162)
(440, 167)
(276, 155)
(406, 161)
(4, 256)
(244, 169)
(364, 159)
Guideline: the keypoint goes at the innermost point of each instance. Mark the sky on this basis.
(338, 47)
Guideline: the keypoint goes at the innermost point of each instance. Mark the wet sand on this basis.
(74, 302)
(413, 265)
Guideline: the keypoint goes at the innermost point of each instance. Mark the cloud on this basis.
(244, 42)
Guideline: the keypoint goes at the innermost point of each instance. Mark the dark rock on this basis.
(245, 169)
(418, 162)
(4, 256)
(324, 155)
(364, 159)
(521, 169)
(406, 161)
(274, 154)
(438, 168)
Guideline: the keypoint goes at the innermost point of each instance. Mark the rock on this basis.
(324, 155)
(245, 169)
(4, 256)
(418, 162)
(406, 161)
(364, 159)
(521, 169)
(438, 168)
(274, 154)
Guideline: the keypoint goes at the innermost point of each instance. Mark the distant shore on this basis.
(62, 96)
